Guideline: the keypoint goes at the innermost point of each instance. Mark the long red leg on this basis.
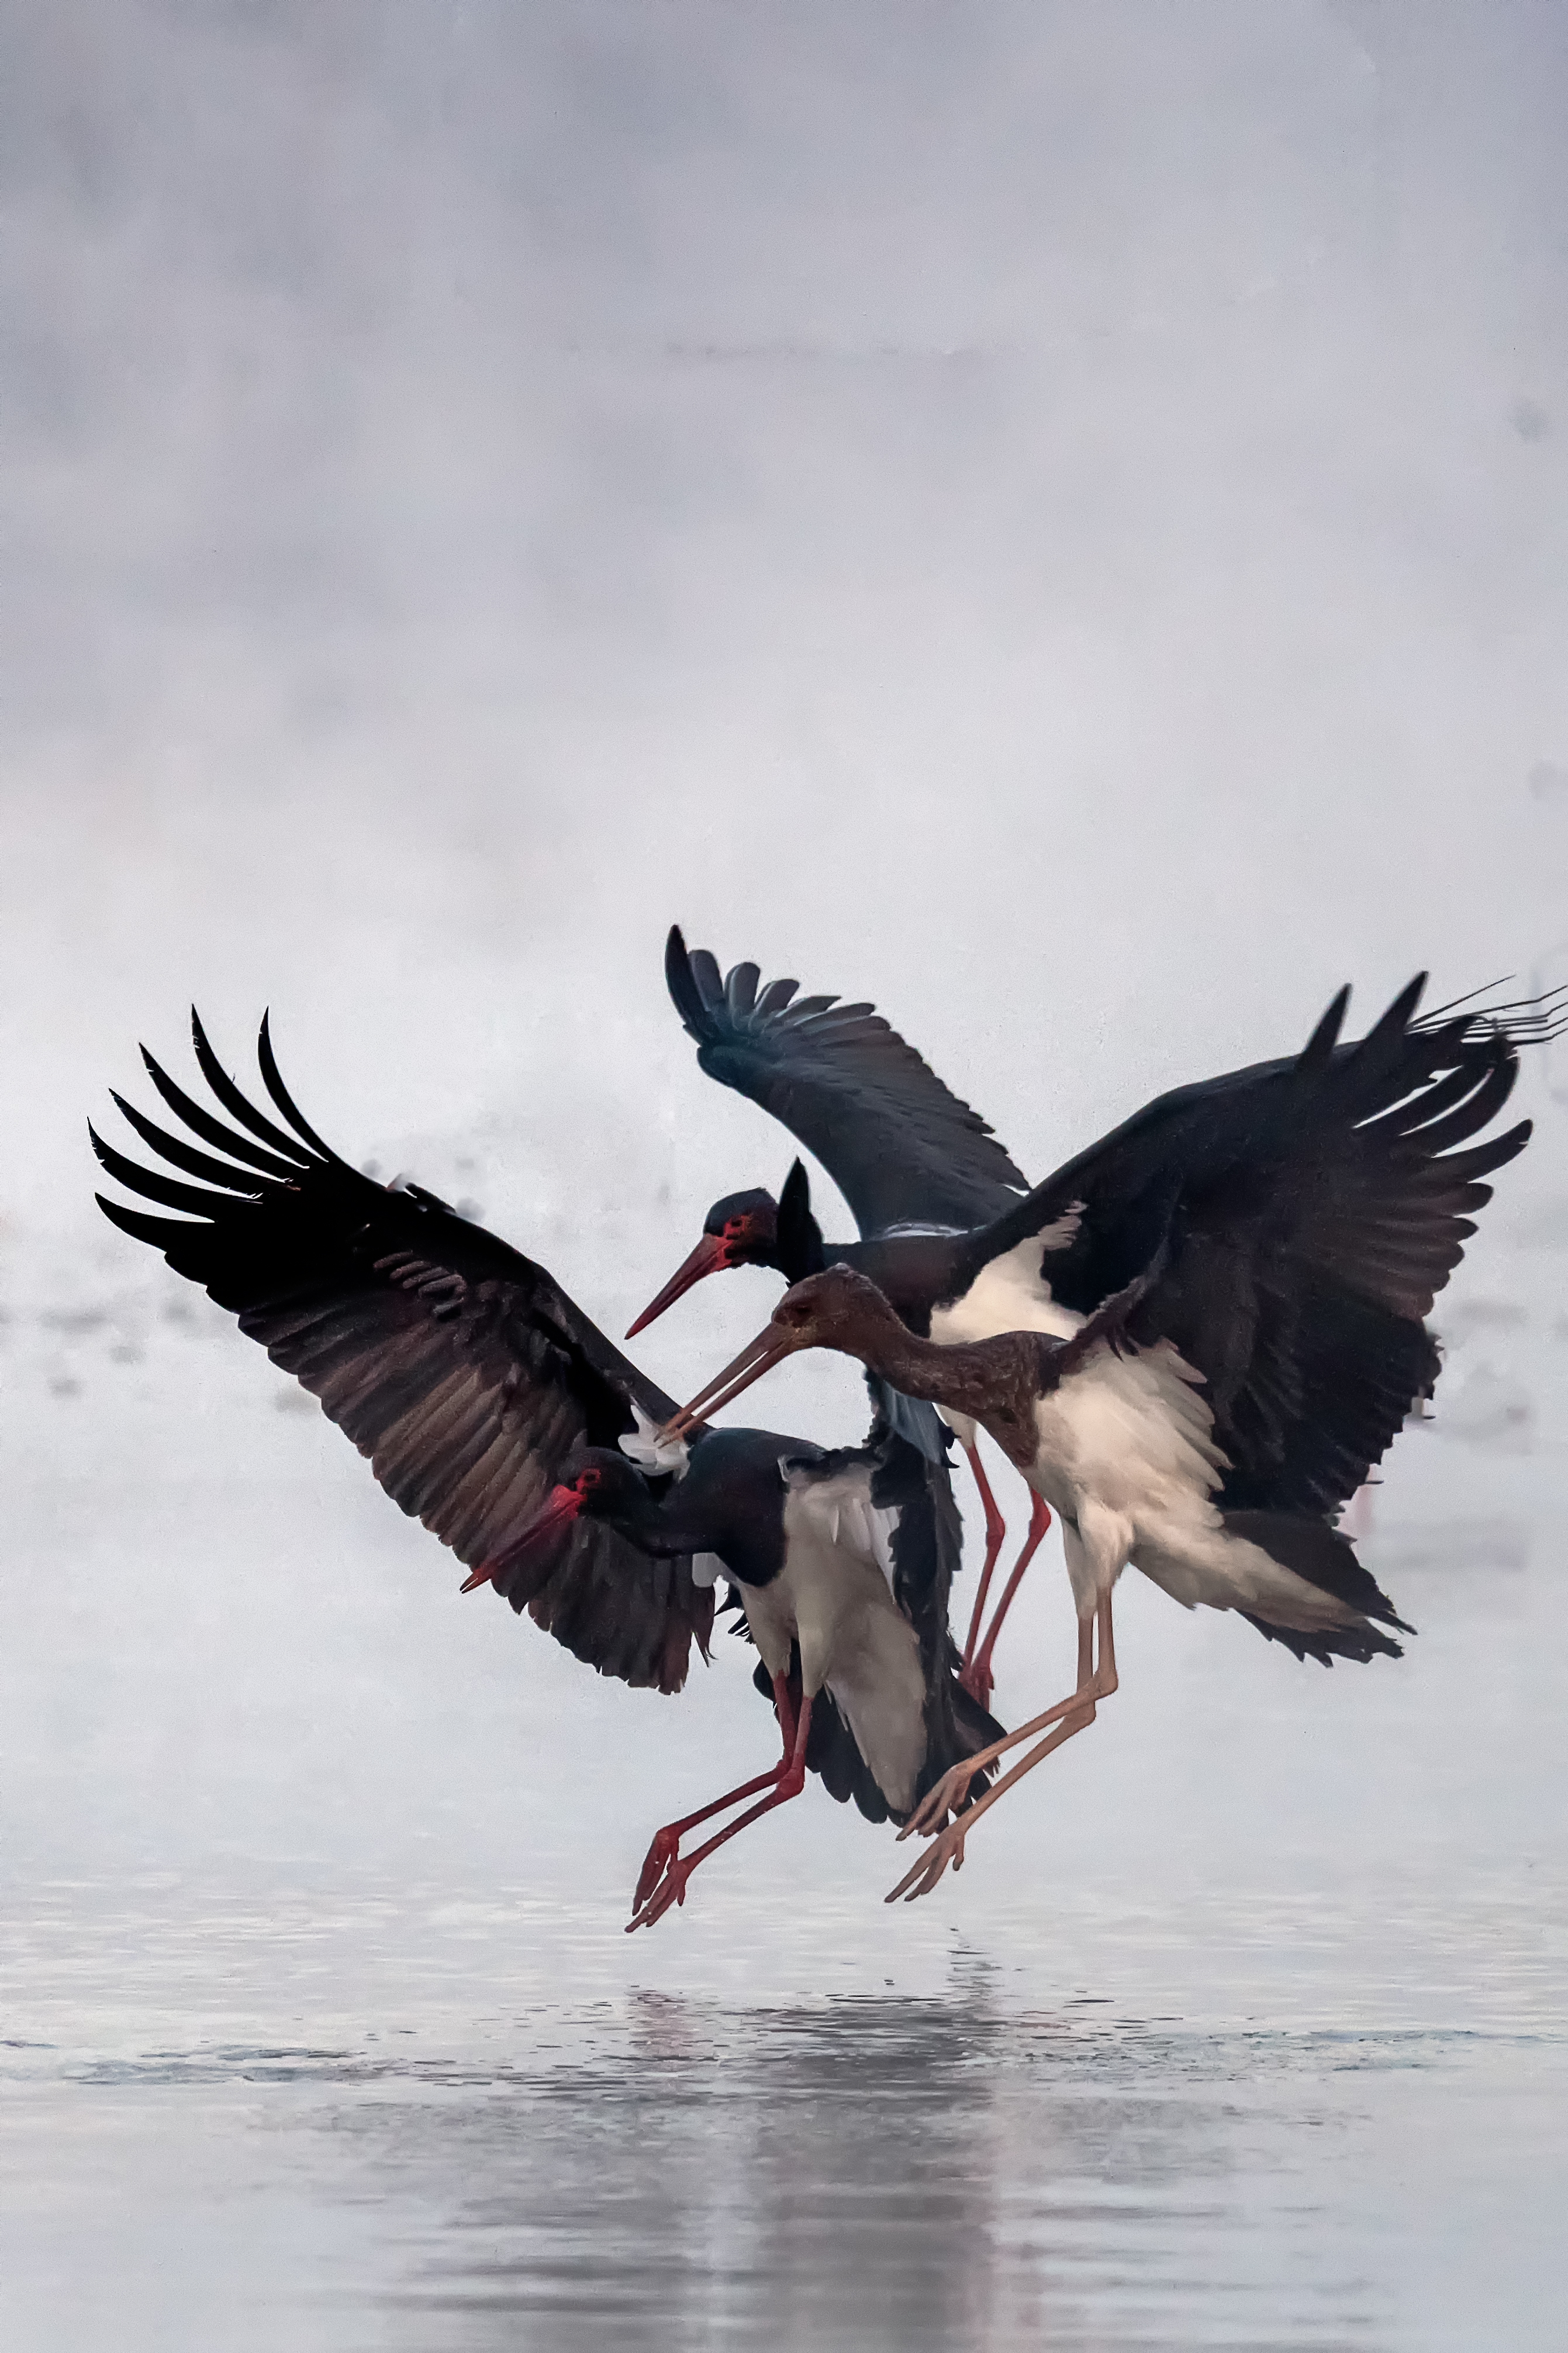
(995, 1529)
(976, 1677)
(666, 1841)
(671, 1888)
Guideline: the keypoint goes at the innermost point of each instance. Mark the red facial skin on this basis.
(714, 1253)
(564, 1504)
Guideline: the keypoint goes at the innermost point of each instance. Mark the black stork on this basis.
(918, 1167)
(482, 1393)
(1251, 1264)
(842, 1561)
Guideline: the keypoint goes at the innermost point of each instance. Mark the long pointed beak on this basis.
(563, 1506)
(709, 1258)
(771, 1346)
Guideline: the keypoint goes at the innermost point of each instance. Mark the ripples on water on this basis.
(414, 2146)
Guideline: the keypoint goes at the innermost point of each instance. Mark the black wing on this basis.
(1308, 1211)
(900, 1146)
(459, 1368)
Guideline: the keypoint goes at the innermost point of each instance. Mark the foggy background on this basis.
(1050, 519)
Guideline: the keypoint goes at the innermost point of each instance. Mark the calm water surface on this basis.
(365, 2123)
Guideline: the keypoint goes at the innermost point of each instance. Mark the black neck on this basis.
(915, 1272)
(658, 1524)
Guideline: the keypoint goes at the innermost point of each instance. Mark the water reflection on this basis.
(883, 2172)
(461, 2164)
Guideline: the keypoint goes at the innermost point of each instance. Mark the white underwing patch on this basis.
(655, 1455)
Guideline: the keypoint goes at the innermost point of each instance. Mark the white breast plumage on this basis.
(840, 1512)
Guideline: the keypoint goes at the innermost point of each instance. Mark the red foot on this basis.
(663, 1852)
(671, 1890)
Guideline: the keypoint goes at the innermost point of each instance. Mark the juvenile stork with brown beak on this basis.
(1208, 1415)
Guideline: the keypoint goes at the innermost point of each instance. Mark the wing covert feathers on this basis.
(459, 1368)
(899, 1145)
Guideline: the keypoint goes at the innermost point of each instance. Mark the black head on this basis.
(595, 1484)
(746, 1225)
(835, 1309)
(600, 1485)
(757, 1230)
(748, 1229)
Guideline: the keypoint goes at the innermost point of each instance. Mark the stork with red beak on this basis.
(917, 1167)
(1264, 1249)
(494, 1410)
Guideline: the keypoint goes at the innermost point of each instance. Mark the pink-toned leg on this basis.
(671, 1888)
(976, 1676)
(950, 1792)
(1070, 1716)
(995, 1529)
(665, 1842)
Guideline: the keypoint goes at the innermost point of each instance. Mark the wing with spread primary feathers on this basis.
(898, 1145)
(1304, 1214)
(459, 1368)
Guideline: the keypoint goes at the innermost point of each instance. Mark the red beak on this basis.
(564, 1504)
(710, 1257)
(772, 1344)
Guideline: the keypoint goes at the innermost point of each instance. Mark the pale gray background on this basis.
(1049, 517)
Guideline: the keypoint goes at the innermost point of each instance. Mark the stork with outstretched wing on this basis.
(917, 1167)
(492, 1408)
(1233, 1333)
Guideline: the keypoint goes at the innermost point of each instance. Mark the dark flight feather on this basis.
(1308, 1210)
(899, 1145)
(459, 1368)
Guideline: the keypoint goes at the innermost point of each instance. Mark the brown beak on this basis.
(772, 1344)
(709, 1257)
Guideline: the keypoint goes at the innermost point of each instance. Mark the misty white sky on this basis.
(1052, 518)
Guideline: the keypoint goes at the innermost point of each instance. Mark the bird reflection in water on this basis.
(902, 2171)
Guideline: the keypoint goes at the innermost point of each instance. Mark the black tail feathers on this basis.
(1317, 1552)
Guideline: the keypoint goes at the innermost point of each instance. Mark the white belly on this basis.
(1129, 1460)
(854, 1640)
(1010, 1294)
(1133, 1432)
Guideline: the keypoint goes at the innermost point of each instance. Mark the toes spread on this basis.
(937, 1804)
(923, 1876)
(663, 1852)
(670, 1890)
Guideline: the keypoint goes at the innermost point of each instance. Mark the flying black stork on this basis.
(492, 1409)
(1239, 1335)
(843, 1563)
(917, 1167)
